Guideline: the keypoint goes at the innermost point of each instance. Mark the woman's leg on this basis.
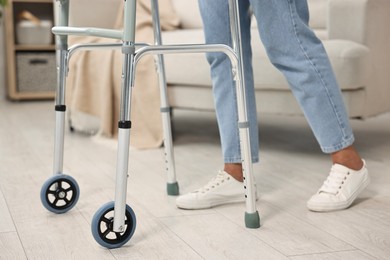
(227, 186)
(215, 15)
(296, 51)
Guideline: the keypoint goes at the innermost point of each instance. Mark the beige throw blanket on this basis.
(94, 81)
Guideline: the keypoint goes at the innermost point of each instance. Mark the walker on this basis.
(114, 223)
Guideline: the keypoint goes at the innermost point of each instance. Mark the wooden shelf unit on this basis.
(42, 9)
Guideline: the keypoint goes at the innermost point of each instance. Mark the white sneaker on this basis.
(340, 189)
(222, 189)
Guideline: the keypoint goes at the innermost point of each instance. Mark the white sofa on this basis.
(354, 33)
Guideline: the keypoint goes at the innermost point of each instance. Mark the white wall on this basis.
(2, 62)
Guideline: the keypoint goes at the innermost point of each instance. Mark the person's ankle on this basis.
(355, 165)
(348, 157)
(234, 170)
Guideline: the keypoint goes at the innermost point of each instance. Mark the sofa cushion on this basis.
(188, 12)
(190, 20)
(318, 13)
(350, 60)
(184, 68)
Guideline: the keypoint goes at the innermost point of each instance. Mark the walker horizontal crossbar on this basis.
(186, 48)
(87, 31)
(93, 46)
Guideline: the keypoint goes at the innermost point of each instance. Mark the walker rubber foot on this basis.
(252, 220)
(173, 189)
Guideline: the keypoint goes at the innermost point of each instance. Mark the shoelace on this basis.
(216, 181)
(334, 181)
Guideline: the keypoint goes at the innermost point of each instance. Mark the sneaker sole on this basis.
(340, 206)
(211, 205)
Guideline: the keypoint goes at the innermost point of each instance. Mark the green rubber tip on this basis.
(173, 189)
(252, 220)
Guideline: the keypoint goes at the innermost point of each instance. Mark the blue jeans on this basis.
(294, 49)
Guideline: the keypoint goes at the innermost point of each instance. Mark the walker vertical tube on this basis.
(61, 16)
(172, 185)
(252, 219)
(124, 124)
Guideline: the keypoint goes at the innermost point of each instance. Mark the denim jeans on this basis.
(294, 49)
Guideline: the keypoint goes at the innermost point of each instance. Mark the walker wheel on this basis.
(60, 193)
(102, 226)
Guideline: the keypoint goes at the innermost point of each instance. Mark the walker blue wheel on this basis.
(102, 226)
(60, 193)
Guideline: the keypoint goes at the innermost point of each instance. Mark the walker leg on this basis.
(124, 126)
(172, 185)
(60, 192)
(121, 176)
(114, 223)
(252, 218)
(62, 13)
(60, 110)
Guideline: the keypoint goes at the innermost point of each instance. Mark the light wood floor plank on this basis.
(153, 240)
(10, 247)
(285, 232)
(214, 237)
(292, 168)
(355, 254)
(6, 223)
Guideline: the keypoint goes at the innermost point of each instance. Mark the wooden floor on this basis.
(292, 168)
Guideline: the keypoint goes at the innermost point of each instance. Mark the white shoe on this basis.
(222, 189)
(340, 189)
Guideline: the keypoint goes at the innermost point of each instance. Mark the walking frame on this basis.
(114, 223)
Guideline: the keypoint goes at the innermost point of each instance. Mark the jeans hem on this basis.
(338, 147)
(238, 160)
